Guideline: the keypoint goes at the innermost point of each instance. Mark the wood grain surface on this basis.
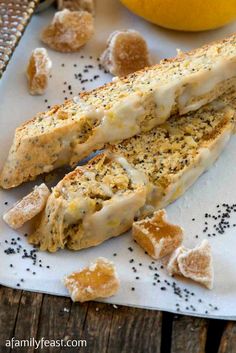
(107, 328)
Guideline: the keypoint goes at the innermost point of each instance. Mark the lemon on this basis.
(185, 15)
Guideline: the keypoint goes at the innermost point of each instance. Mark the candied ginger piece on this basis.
(172, 265)
(77, 5)
(197, 264)
(99, 280)
(27, 208)
(69, 30)
(126, 53)
(38, 71)
(156, 236)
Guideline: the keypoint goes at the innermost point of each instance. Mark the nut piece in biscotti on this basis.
(195, 264)
(99, 280)
(77, 5)
(38, 71)
(69, 30)
(156, 235)
(27, 208)
(126, 53)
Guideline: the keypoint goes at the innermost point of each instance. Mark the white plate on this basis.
(217, 186)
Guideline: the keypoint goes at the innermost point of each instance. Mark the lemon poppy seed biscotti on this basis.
(67, 133)
(91, 204)
(175, 154)
(132, 179)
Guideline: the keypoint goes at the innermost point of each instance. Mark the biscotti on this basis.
(175, 154)
(143, 173)
(91, 204)
(119, 110)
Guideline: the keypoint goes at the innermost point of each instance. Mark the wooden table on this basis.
(107, 328)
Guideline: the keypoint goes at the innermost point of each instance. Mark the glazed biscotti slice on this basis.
(128, 106)
(229, 98)
(176, 153)
(132, 179)
(91, 204)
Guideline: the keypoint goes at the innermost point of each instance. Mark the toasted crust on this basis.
(67, 133)
(156, 235)
(27, 208)
(177, 59)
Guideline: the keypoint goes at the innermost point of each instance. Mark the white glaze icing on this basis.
(123, 120)
(116, 216)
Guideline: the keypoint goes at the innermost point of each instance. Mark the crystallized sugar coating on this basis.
(156, 235)
(27, 208)
(38, 71)
(77, 5)
(126, 53)
(173, 266)
(69, 30)
(196, 264)
(99, 280)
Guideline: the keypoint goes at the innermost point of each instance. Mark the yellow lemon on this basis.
(185, 15)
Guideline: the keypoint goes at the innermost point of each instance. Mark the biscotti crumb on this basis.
(99, 280)
(27, 208)
(38, 71)
(126, 53)
(77, 5)
(69, 30)
(196, 264)
(156, 236)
